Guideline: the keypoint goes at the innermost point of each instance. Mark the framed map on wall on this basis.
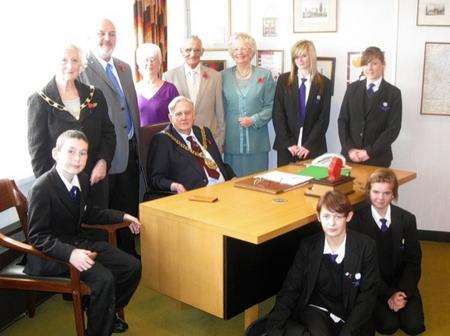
(436, 83)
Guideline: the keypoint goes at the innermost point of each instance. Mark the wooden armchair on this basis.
(13, 276)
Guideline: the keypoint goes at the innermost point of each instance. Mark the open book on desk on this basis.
(273, 182)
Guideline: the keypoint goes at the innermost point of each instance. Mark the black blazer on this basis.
(359, 296)
(55, 221)
(407, 254)
(168, 162)
(371, 127)
(285, 116)
(46, 123)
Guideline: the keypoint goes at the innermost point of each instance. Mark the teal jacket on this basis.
(256, 103)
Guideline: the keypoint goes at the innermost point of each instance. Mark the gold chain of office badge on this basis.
(54, 104)
(209, 163)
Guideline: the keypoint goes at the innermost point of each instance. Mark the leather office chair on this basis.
(147, 133)
(13, 277)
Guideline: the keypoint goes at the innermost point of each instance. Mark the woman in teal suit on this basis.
(248, 93)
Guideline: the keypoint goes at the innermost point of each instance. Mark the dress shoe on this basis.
(120, 325)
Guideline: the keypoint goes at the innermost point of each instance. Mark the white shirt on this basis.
(113, 69)
(207, 155)
(75, 182)
(376, 216)
(193, 78)
(73, 106)
(340, 251)
(377, 83)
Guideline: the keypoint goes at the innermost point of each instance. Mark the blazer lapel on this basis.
(375, 101)
(362, 97)
(202, 86)
(314, 265)
(294, 95)
(190, 157)
(83, 92)
(312, 95)
(397, 234)
(63, 195)
(98, 68)
(351, 268)
(181, 79)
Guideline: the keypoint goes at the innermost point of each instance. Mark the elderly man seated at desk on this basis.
(183, 156)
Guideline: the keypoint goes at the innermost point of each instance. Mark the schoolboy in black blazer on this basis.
(58, 204)
(286, 115)
(371, 115)
(332, 285)
(394, 230)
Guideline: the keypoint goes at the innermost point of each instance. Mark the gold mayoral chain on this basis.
(210, 163)
(52, 103)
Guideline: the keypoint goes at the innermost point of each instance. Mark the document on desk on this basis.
(284, 178)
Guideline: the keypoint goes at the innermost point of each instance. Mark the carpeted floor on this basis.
(152, 314)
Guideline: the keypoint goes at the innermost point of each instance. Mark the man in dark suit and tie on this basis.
(183, 156)
(114, 78)
(371, 114)
(394, 230)
(58, 205)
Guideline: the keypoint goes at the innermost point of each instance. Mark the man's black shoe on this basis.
(120, 325)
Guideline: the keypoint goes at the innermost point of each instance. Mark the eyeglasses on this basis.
(189, 50)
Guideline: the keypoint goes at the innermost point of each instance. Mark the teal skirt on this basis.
(246, 164)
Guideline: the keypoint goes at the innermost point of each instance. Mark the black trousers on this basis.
(124, 196)
(410, 319)
(112, 279)
(285, 157)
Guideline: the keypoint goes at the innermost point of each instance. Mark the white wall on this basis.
(390, 25)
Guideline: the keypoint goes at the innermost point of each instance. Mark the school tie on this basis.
(332, 257)
(74, 194)
(196, 148)
(301, 102)
(370, 91)
(123, 100)
(383, 227)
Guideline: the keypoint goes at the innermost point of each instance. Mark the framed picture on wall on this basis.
(327, 67)
(314, 16)
(209, 20)
(272, 60)
(435, 84)
(217, 65)
(269, 26)
(433, 12)
(354, 67)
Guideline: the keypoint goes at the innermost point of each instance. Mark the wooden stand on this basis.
(320, 187)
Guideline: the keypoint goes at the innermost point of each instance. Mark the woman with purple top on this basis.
(154, 94)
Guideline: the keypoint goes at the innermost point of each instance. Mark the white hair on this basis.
(244, 38)
(176, 100)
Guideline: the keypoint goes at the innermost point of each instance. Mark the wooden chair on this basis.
(13, 277)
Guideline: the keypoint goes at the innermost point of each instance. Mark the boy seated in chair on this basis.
(332, 285)
(394, 230)
(58, 204)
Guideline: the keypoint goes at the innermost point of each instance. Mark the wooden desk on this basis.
(227, 256)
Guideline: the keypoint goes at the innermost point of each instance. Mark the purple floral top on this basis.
(155, 110)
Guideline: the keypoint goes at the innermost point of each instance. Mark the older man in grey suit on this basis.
(203, 86)
(113, 77)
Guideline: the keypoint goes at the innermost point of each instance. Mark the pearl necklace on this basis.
(243, 75)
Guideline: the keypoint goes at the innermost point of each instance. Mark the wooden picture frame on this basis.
(433, 13)
(314, 16)
(354, 67)
(217, 65)
(327, 67)
(209, 20)
(272, 60)
(435, 98)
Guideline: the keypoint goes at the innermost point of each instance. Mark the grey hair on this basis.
(176, 100)
(245, 38)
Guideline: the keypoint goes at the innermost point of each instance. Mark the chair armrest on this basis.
(109, 228)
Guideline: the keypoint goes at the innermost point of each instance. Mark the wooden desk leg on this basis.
(250, 315)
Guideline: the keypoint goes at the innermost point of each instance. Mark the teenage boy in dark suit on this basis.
(394, 230)
(58, 205)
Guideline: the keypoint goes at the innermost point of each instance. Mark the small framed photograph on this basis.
(217, 65)
(269, 27)
(354, 67)
(327, 67)
(209, 20)
(435, 84)
(314, 16)
(433, 12)
(272, 60)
